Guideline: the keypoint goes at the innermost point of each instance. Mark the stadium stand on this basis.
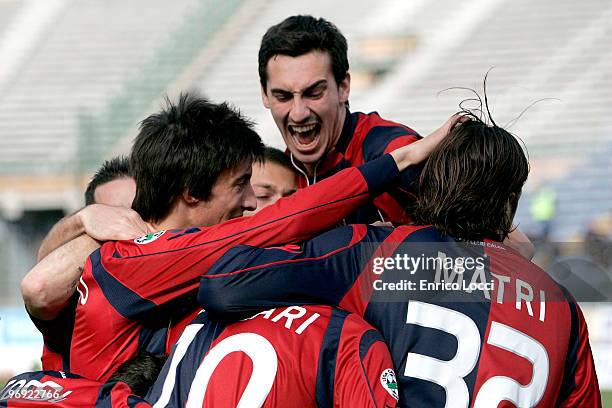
(8, 9)
(83, 61)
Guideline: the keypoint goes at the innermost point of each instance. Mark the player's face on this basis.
(230, 196)
(306, 103)
(119, 192)
(270, 182)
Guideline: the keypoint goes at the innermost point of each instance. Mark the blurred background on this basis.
(76, 77)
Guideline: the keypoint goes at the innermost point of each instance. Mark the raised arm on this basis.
(171, 267)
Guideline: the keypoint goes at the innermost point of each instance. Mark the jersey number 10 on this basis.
(260, 351)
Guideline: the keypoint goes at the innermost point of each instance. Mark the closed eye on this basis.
(282, 96)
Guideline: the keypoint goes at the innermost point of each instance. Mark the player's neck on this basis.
(173, 220)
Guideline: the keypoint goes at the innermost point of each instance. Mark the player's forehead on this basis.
(295, 74)
(271, 173)
(119, 191)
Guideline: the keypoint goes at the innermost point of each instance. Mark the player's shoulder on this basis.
(373, 136)
(364, 122)
(530, 275)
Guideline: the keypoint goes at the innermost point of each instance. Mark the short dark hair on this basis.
(113, 169)
(274, 155)
(186, 147)
(298, 35)
(470, 186)
(140, 372)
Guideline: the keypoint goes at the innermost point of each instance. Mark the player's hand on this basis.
(420, 150)
(445, 129)
(104, 223)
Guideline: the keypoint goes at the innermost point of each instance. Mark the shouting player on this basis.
(469, 321)
(192, 164)
(305, 83)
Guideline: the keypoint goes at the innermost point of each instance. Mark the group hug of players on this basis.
(183, 301)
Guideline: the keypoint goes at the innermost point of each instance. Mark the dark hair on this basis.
(115, 168)
(186, 147)
(140, 372)
(471, 183)
(274, 155)
(298, 35)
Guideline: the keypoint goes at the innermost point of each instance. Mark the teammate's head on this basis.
(140, 372)
(303, 70)
(273, 177)
(112, 184)
(471, 183)
(192, 162)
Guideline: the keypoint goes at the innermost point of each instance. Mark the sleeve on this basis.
(385, 139)
(137, 281)
(580, 386)
(57, 334)
(63, 389)
(248, 279)
(364, 369)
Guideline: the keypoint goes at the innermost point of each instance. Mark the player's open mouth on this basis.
(305, 136)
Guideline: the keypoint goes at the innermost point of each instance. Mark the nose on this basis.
(249, 202)
(299, 111)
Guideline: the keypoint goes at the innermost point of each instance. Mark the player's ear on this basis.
(264, 97)
(188, 198)
(512, 204)
(344, 88)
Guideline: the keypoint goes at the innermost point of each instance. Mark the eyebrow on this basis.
(307, 89)
(242, 178)
(262, 185)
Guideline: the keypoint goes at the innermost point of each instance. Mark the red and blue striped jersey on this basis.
(65, 390)
(477, 326)
(365, 137)
(299, 356)
(130, 290)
